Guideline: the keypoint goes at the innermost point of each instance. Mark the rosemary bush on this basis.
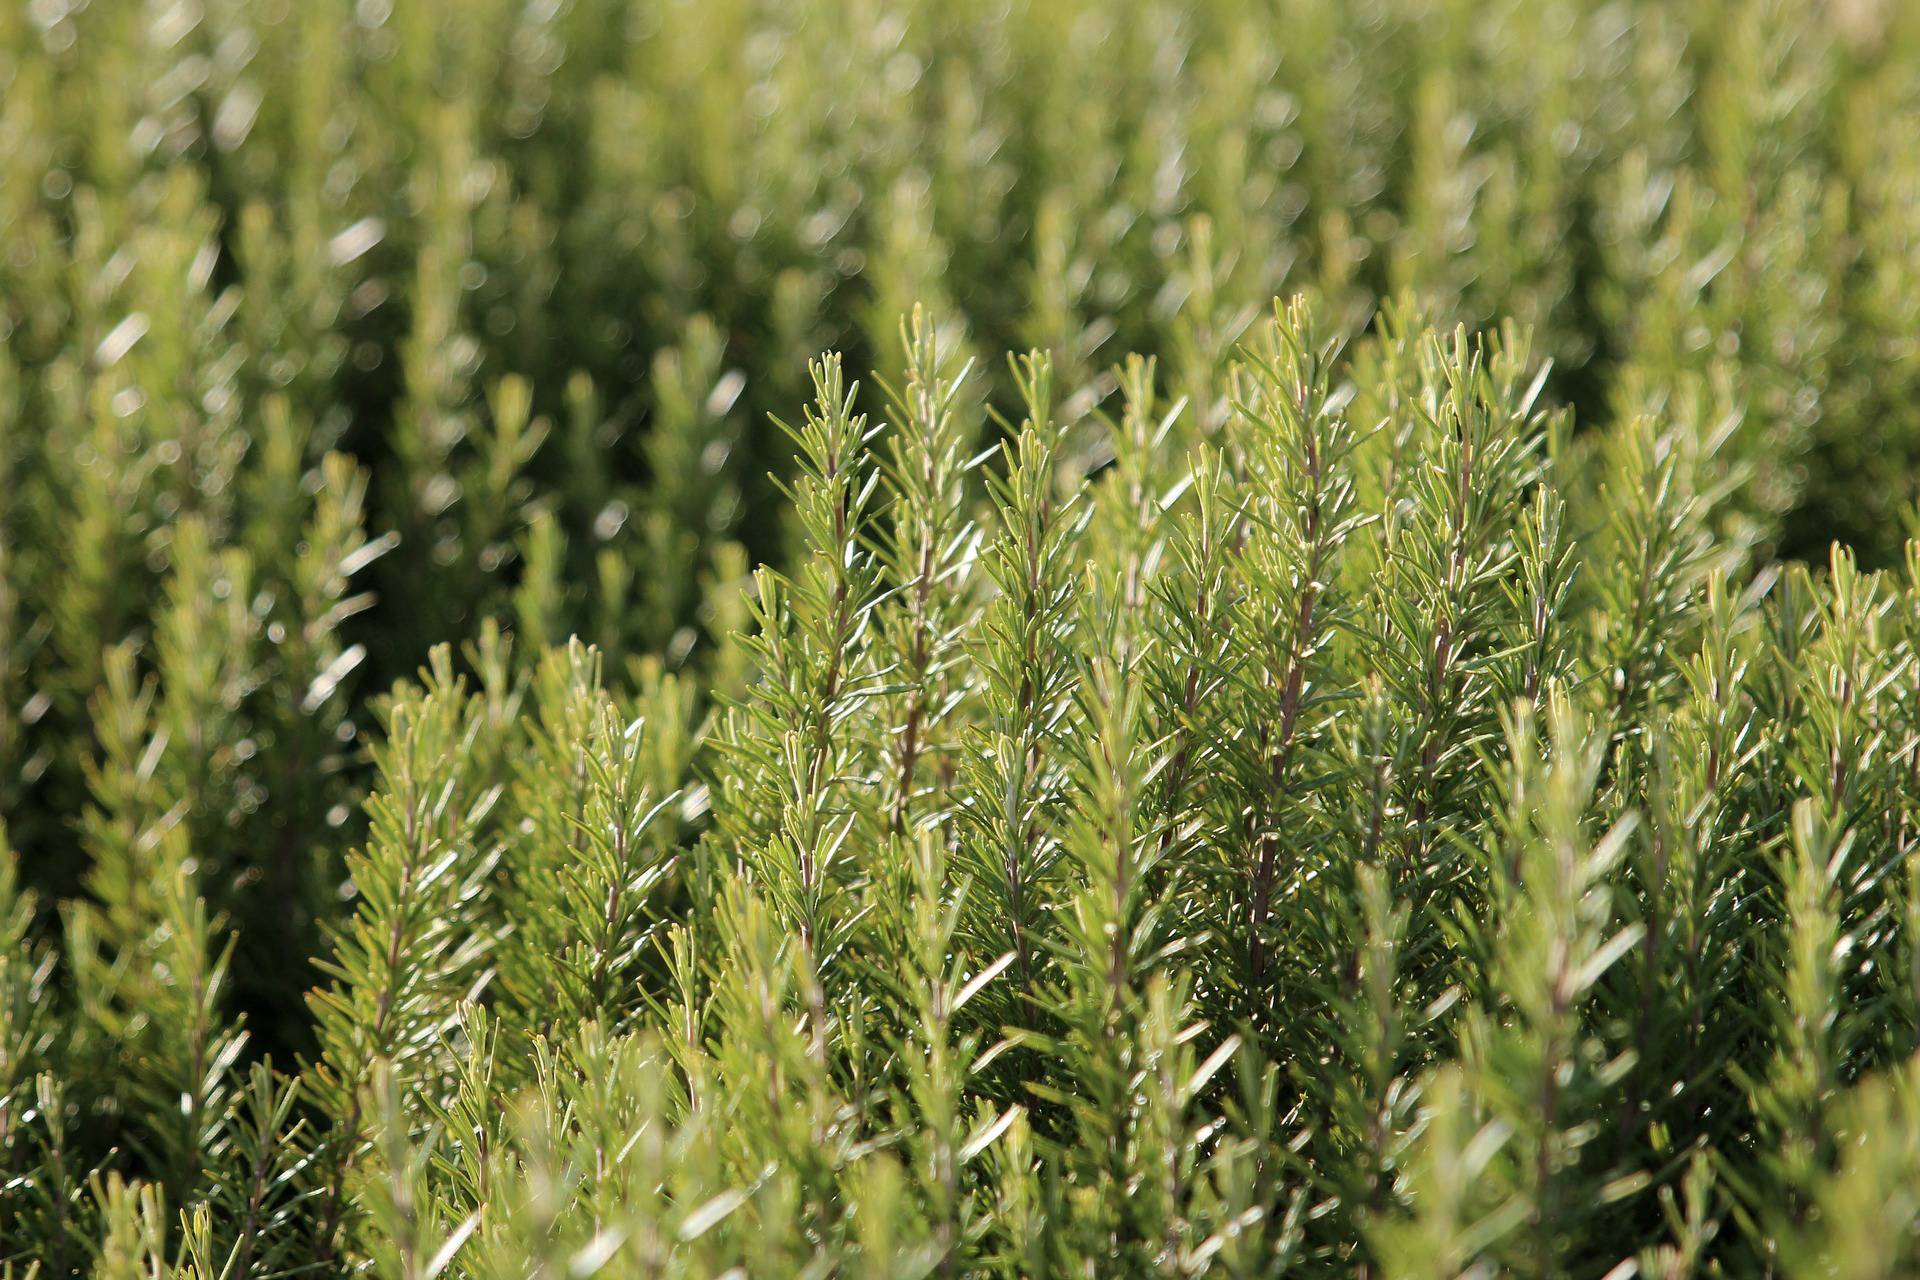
(514, 764)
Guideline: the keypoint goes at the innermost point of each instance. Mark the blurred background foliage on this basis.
(332, 330)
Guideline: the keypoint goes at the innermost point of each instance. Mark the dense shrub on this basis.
(1349, 789)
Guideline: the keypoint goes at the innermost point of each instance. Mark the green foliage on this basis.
(1359, 785)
